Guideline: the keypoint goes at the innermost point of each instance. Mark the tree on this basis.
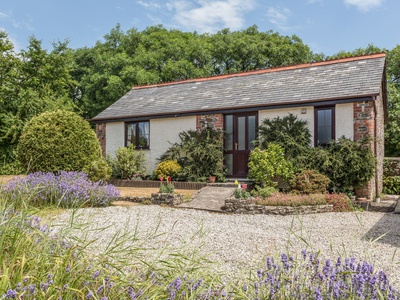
(32, 82)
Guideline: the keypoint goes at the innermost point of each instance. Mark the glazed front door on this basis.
(240, 132)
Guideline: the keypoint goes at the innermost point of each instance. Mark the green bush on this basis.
(168, 168)
(167, 188)
(200, 153)
(309, 182)
(241, 194)
(268, 167)
(128, 163)
(391, 185)
(58, 140)
(263, 192)
(291, 134)
(98, 170)
(346, 163)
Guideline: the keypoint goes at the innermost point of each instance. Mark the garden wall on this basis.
(156, 198)
(241, 206)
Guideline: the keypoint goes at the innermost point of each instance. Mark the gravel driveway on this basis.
(240, 242)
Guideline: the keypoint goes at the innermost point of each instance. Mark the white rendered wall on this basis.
(282, 112)
(344, 122)
(115, 137)
(163, 133)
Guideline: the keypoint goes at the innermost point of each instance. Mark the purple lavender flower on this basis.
(11, 294)
(96, 274)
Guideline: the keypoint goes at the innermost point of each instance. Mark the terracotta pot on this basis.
(211, 179)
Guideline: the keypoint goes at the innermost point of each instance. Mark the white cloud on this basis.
(210, 16)
(279, 17)
(149, 4)
(364, 5)
(19, 25)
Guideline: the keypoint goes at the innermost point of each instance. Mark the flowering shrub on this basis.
(340, 202)
(312, 278)
(168, 168)
(64, 189)
(280, 199)
(168, 188)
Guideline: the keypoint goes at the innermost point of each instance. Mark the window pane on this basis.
(229, 132)
(229, 164)
(131, 134)
(241, 133)
(324, 129)
(144, 134)
(252, 131)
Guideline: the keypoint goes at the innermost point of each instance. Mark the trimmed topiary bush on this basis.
(58, 140)
(309, 182)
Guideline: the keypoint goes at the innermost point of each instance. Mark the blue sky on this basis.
(327, 26)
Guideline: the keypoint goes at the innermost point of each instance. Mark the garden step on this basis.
(210, 198)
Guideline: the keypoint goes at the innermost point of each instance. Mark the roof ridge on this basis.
(263, 71)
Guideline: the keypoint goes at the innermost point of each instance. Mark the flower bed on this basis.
(249, 206)
(64, 189)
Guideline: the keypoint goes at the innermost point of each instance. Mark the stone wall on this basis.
(241, 206)
(156, 198)
(367, 115)
(214, 121)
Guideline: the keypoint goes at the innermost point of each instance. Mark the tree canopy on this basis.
(89, 79)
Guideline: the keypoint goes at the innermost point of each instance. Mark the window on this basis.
(138, 133)
(324, 125)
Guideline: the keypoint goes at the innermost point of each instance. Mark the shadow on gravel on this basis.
(386, 230)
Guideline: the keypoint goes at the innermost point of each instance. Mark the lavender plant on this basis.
(64, 189)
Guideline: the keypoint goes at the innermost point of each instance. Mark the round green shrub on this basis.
(268, 167)
(167, 168)
(58, 140)
(309, 182)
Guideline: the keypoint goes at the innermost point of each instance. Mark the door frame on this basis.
(236, 153)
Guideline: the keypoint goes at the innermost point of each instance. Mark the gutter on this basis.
(377, 198)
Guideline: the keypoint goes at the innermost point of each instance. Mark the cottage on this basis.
(343, 97)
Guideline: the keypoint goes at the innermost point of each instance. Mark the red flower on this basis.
(244, 186)
(161, 178)
(169, 178)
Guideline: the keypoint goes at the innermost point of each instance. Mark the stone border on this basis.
(156, 198)
(242, 206)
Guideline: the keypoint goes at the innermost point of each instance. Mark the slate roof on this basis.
(354, 77)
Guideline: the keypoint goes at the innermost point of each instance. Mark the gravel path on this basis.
(240, 242)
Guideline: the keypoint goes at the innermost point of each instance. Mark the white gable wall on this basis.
(344, 123)
(163, 133)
